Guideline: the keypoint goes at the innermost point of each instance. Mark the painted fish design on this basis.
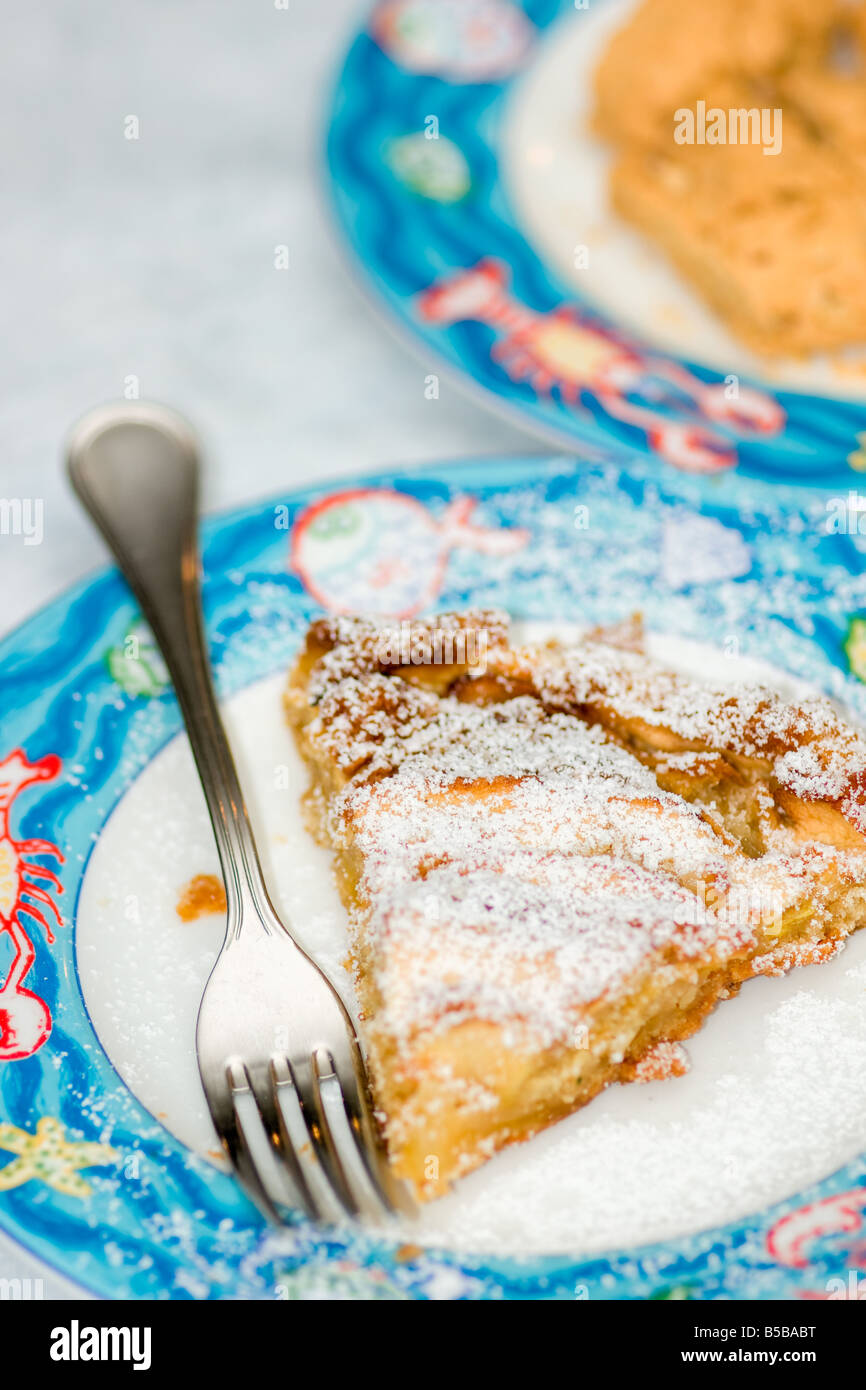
(371, 550)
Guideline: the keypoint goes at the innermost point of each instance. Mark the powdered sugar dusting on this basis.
(661, 1063)
(518, 863)
(808, 749)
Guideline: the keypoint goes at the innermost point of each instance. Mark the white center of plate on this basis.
(774, 1099)
(556, 173)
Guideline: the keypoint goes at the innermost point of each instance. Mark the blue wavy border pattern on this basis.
(162, 1223)
(403, 242)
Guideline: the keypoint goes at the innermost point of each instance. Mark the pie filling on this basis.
(556, 861)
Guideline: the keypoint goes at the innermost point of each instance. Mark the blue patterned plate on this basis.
(99, 1185)
(473, 200)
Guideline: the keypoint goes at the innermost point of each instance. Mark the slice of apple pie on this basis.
(556, 860)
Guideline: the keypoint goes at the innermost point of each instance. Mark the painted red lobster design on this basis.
(25, 1020)
(565, 351)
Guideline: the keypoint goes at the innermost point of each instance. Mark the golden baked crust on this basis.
(556, 861)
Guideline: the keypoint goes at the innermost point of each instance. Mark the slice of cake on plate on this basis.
(556, 860)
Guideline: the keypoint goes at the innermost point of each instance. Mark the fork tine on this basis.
(345, 1141)
(307, 1081)
(263, 1084)
(297, 1143)
(389, 1192)
(236, 1138)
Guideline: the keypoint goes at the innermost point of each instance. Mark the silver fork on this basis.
(278, 1055)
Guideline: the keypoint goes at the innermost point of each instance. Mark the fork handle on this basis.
(135, 469)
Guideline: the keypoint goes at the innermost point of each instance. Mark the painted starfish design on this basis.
(48, 1156)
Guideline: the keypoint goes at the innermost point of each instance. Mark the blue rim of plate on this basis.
(702, 557)
(418, 213)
